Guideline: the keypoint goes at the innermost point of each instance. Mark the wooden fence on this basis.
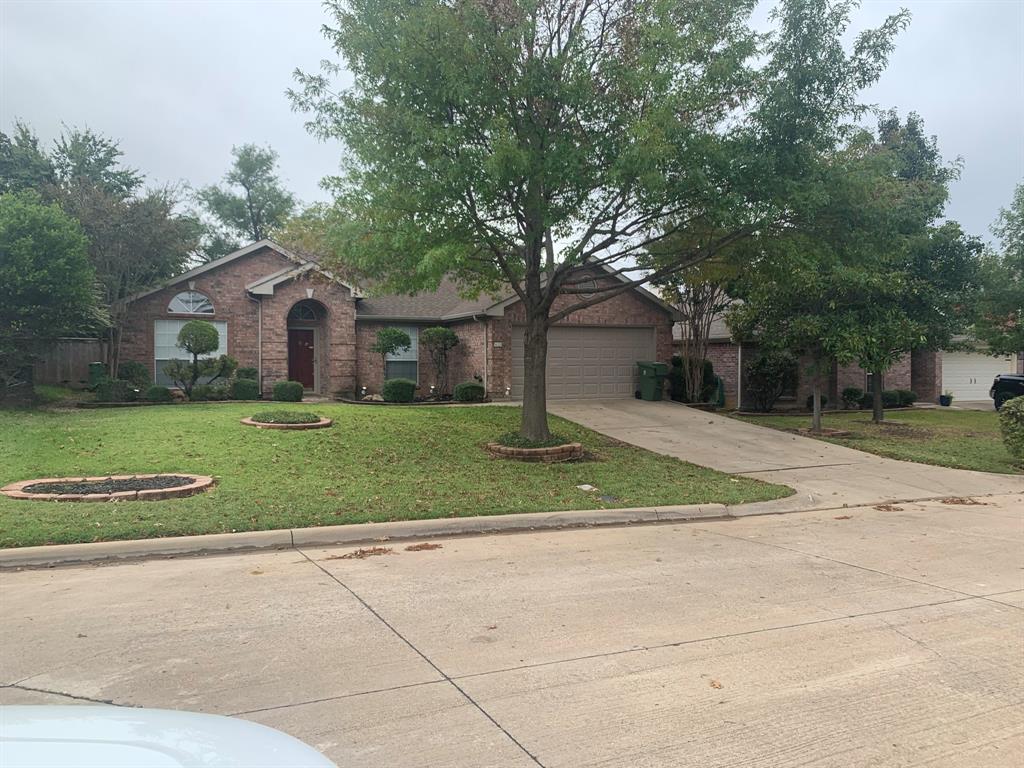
(67, 362)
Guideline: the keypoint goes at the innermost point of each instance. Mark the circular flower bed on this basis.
(287, 420)
(108, 488)
(555, 449)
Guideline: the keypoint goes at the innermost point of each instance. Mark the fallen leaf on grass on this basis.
(362, 554)
(422, 546)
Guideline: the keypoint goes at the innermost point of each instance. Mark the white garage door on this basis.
(968, 376)
(587, 362)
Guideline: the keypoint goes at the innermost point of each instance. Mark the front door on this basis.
(301, 357)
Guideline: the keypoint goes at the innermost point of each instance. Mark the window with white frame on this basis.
(165, 345)
(191, 303)
(404, 364)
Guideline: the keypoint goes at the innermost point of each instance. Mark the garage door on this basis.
(588, 362)
(968, 376)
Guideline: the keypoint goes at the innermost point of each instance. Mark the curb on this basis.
(359, 533)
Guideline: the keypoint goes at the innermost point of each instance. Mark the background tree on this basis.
(23, 163)
(508, 144)
(999, 313)
(439, 342)
(390, 341)
(252, 204)
(199, 338)
(46, 283)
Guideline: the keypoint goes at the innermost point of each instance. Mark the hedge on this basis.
(288, 391)
(1011, 422)
(469, 392)
(398, 390)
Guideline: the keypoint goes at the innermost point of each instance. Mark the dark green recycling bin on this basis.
(652, 378)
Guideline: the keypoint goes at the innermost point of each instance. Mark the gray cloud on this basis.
(180, 82)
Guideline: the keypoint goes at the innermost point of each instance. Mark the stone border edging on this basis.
(249, 422)
(557, 453)
(199, 484)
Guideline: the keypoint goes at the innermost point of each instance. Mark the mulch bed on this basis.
(143, 487)
(111, 485)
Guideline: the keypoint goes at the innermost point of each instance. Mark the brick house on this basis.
(929, 373)
(281, 312)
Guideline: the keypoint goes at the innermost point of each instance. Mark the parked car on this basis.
(125, 737)
(1006, 387)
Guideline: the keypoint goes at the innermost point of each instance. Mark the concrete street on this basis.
(860, 637)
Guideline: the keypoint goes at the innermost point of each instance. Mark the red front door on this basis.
(300, 356)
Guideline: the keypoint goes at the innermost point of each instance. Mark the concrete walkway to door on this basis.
(823, 474)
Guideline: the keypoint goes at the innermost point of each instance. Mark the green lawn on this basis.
(961, 439)
(374, 464)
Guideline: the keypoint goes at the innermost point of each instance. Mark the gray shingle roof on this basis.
(443, 304)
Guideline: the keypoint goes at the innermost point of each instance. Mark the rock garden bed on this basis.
(287, 420)
(108, 488)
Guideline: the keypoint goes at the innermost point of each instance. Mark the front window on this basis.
(191, 303)
(405, 364)
(165, 346)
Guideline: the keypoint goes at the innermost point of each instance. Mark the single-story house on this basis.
(929, 373)
(283, 313)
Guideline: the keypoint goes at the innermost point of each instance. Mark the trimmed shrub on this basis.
(852, 397)
(286, 417)
(248, 373)
(158, 394)
(245, 389)
(1011, 422)
(469, 392)
(116, 391)
(398, 390)
(890, 398)
(203, 392)
(288, 391)
(136, 373)
(768, 377)
(906, 398)
(810, 402)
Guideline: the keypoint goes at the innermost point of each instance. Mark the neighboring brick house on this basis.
(282, 313)
(928, 373)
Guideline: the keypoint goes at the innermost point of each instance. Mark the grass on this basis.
(374, 464)
(958, 439)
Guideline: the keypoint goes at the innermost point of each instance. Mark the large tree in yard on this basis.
(999, 313)
(508, 144)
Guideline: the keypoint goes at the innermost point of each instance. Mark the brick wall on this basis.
(464, 360)
(899, 376)
(926, 375)
(724, 357)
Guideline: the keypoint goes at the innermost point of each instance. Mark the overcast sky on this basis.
(179, 82)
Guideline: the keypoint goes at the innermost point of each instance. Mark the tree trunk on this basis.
(535, 414)
(877, 411)
(816, 411)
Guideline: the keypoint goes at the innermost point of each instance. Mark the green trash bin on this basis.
(97, 372)
(652, 378)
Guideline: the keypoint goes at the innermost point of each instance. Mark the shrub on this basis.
(158, 394)
(116, 391)
(810, 401)
(248, 373)
(288, 391)
(1011, 422)
(202, 392)
(906, 397)
(768, 377)
(439, 342)
(515, 440)
(135, 373)
(469, 392)
(677, 382)
(245, 389)
(398, 390)
(852, 397)
(890, 398)
(286, 417)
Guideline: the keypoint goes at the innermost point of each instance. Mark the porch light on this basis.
(508, 391)
(362, 391)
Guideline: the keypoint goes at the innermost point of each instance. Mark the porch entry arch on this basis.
(307, 330)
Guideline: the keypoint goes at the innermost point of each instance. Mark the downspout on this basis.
(487, 350)
(259, 338)
(739, 376)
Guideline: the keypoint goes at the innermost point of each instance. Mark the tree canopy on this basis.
(999, 311)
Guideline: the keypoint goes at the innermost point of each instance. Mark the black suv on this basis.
(1005, 387)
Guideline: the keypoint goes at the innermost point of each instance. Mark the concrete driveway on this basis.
(823, 474)
(863, 638)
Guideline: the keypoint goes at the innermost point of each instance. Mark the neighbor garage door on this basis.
(968, 376)
(588, 362)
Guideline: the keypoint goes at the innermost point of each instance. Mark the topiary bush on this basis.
(116, 391)
(134, 372)
(288, 391)
(469, 392)
(852, 397)
(158, 394)
(248, 373)
(245, 389)
(810, 402)
(1011, 422)
(286, 417)
(398, 390)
